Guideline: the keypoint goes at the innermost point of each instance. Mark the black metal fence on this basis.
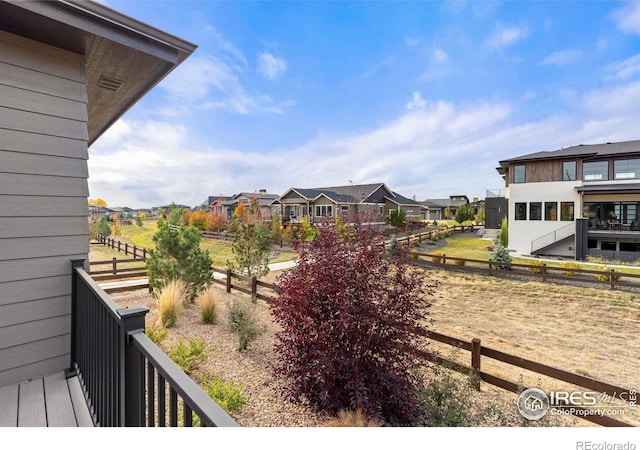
(126, 378)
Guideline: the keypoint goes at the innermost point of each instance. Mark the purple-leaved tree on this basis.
(348, 312)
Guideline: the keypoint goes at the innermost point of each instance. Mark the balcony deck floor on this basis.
(51, 401)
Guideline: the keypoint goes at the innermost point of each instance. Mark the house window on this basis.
(535, 211)
(568, 171)
(519, 174)
(595, 171)
(521, 211)
(381, 210)
(324, 210)
(626, 169)
(629, 247)
(604, 245)
(344, 208)
(550, 210)
(566, 211)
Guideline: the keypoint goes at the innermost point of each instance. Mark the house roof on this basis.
(402, 200)
(356, 193)
(444, 202)
(124, 58)
(582, 150)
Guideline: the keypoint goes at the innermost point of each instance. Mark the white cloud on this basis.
(208, 82)
(270, 66)
(439, 56)
(628, 17)
(504, 36)
(562, 57)
(417, 102)
(626, 69)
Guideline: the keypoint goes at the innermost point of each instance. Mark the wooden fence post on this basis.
(490, 268)
(135, 250)
(228, 280)
(612, 280)
(114, 263)
(144, 254)
(444, 259)
(544, 271)
(476, 349)
(119, 246)
(254, 289)
(126, 248)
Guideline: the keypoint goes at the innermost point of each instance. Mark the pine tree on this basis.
(178, 256)
(250, 246)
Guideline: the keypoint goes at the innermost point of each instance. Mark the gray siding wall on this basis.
(43, 203)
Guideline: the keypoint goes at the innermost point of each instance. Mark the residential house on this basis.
(576, 201)
(436, 208)
(68, 71)
(264, 198)
(346, 201)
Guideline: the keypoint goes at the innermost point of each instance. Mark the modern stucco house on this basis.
(68, 71)
(575, 201)
(346, 201)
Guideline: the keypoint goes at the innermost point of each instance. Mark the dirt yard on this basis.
(588, 331)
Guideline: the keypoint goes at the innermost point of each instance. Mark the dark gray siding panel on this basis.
(13, 335)
(37, 57)
(45, 186)
(29, 164)
(35, 289)
(23, 100)
(19, 206)
(14, 227)
(43, 204)
(41, 82)
(33, 268)
(39, 247)
(36, 310)
(17, 141)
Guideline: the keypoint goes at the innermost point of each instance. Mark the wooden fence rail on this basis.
(613, 279)
(138, 253)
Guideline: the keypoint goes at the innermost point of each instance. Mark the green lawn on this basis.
(475, 248)
(219, 251)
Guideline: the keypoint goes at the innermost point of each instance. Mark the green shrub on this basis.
(156, 332)
(224, 392)
(189, 355)
(459, 262)
(446, 399)
(606, 274)
(500, 255)
(244, 323)
(503, 236)
(536, 266)
(139, 221)
(569, 269)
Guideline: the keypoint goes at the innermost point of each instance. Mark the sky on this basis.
(425, 96)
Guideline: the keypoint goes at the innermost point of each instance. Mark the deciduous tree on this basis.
(349, 313)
